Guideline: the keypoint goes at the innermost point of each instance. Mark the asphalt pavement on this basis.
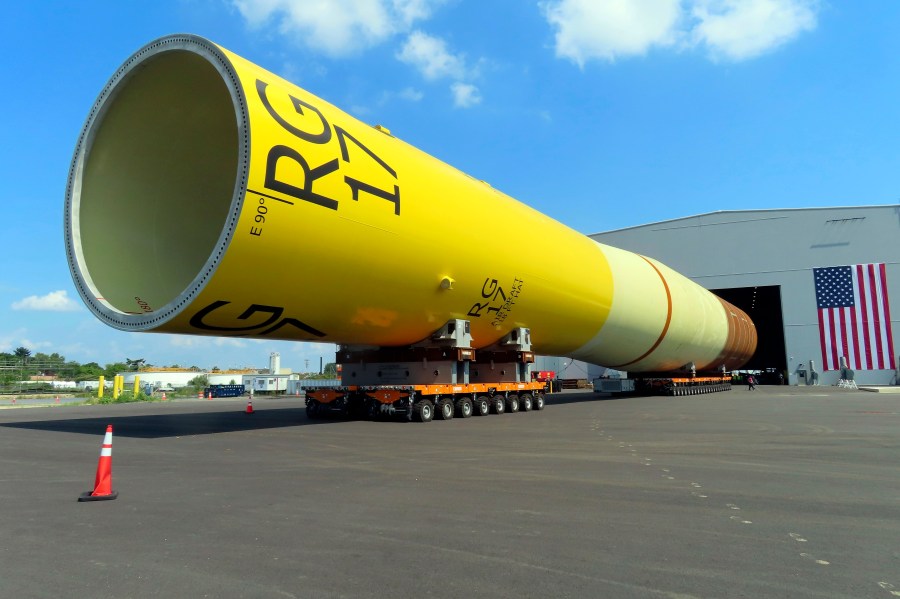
(779, 492)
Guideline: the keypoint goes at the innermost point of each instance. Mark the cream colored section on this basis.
(698, 331)
(638, 313)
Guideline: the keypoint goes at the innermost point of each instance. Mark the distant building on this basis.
(163, 378)
(272, 380)
(767, 263)
(268, 383)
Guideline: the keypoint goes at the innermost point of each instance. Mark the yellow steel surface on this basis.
(377, 225)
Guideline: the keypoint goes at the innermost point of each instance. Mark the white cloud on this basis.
(430, 56)
(606, 29)
(465, 95)
(337, 27)
(10, 341)
(55, 301)
(15, 339)
(742, 29)
(229, 342)
(434, 61)
(411, 11)
(730, 29)
(345, 27)
(200, 342)
(411, 94)
(36, 345)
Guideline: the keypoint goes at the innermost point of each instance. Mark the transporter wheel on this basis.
(464, 407)
(482, 405)
(526, 402)
(371, 409)
(312, 409)
(498, 405)
(512, 404)
(424, 411)
(445, 409)
(539, 401)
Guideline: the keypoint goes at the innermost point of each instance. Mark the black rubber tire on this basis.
(512, 404)
(312, 409)
(371, 409)
(482, 405)
(526, 402)
(423, 411)
(539, 401)
(445, 409)
(498, 405)
(464, 407)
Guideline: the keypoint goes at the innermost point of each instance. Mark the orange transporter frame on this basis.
(425, 402)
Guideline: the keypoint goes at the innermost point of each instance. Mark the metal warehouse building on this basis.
(821, 284)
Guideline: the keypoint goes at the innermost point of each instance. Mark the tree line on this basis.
(21, 364)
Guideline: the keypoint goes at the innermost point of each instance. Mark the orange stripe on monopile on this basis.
(640, 312)
(665, 329)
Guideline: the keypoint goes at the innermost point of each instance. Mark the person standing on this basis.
(751, 382)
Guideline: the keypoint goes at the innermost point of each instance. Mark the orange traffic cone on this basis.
(249, 409)
(164, 396)
(57, 399)
(103, 481)
(210, 396)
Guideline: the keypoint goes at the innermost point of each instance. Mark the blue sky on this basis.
(600, 113)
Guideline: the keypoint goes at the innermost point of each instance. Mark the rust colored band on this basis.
(665, 329)
(741, 342)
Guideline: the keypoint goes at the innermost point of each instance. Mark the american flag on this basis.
(854, 317)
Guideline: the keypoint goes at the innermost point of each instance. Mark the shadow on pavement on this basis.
(177, 425)
(580, 397)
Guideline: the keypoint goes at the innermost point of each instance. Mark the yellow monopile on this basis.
(267, 212)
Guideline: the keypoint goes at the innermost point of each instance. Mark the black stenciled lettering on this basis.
(259, 217)
(358, 186)
(274, 312)
(294, 323)
(317, 138)
(476, 309)
(310, 175)
(343, 136)
(490, 285)
(144, 305)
